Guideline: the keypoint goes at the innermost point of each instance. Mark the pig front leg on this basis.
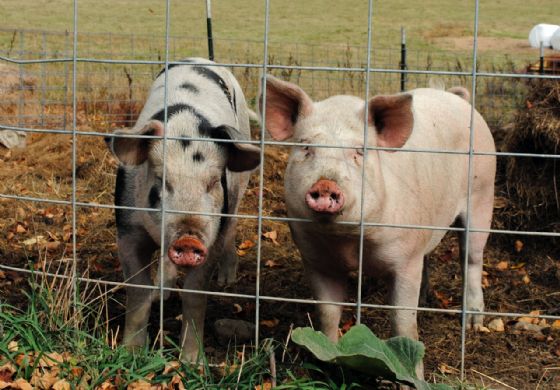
(328, 287)
(169, 278)
(405, 291)
(194, 311)
(135, 251)
(227, 266)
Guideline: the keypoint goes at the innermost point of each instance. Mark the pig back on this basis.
(426, 188)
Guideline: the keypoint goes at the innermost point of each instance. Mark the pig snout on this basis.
(325, 197)
(187, 251)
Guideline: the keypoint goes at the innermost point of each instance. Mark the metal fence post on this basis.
(43, 79)
(209, 30)
(65, 117)
(402, 64)
(21, 84)
(541, 59)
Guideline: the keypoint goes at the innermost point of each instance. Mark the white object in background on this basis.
(12, 139)
(542, 33)
(555, 40)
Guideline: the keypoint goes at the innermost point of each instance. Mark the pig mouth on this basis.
(187, 251)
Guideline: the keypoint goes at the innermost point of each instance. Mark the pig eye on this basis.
(212, 184)
(308, 151)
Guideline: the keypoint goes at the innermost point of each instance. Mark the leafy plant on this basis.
(359, 349)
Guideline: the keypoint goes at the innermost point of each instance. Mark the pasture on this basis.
(521, 273)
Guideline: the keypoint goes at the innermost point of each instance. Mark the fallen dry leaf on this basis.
(61, 384)
(556, 324)
(518, 245)
(271, 264)
(7, 371)
(44, 379)
(518, 266)
(526, 279)
(34, 240)
(237, 308)
(530, 320)
(240, 252)
(270, 323)
(171, 366)
(482, 329)
(247, 244)
(106, 386)
(502, 265)
(52, 245)
(20, 228)
(496, 325)
(21, 384)
(445, 369)
(264, 386)
(543, 322)
(77, 371)
(176, 383)
(444, 302)
(140, 385)
(272, 236)
(13, 346)
(51, 359)
(348, 324)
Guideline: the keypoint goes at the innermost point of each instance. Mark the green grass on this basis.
(53, 327)
(311, 21)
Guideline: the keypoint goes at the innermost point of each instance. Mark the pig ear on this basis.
(461, 92)
(392, 117)
(134, 151)
(241, 156)
(285, 104)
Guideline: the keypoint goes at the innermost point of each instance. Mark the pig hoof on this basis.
(227, 276)
(475, 322)
(227, 270)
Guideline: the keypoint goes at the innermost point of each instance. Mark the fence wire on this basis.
(324, 78)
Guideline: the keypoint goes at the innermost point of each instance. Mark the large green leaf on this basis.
(361, 350)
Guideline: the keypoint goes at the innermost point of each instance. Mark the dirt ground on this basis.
(37, 235)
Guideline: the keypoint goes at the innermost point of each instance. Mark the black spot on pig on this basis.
(153, 196)
(189, 87)
(213, 76)
(198, 157)
(171, 66)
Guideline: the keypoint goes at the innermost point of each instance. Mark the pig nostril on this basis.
(315, 195)
(334, 196)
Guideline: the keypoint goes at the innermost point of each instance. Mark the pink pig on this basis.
(401, 188)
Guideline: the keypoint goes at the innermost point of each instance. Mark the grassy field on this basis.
(312, 21)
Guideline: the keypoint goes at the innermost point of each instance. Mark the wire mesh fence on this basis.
(77, 87)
